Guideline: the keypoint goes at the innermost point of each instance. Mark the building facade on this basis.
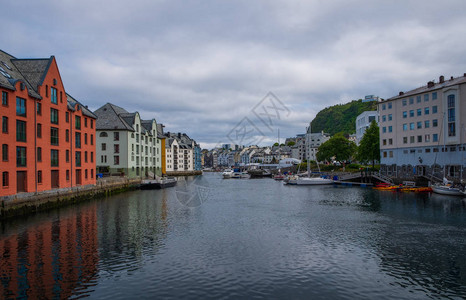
(364, 120)
(126, 144)
(422, 131)
(44, 140)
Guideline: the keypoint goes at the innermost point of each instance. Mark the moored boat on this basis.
(228, 173)
(151, 184)
(448, 190)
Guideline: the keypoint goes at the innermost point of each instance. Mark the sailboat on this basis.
(296, 180)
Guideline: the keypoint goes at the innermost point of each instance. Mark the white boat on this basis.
(240, 175)
(228, 173)
(448, 190)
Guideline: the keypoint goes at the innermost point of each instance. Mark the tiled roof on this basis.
(72, 102)
(34, 70)
(108, 118)
(15, 72)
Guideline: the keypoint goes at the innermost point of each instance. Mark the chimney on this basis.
(430, 84)
(451, 78)
(441, 79)
(401, 93)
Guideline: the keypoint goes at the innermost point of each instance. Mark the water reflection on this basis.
(50, 259)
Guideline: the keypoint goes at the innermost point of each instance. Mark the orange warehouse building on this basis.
(47, 137)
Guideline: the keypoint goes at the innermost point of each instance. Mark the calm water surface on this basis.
(211, 238)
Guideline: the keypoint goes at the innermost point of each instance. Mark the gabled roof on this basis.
(34, 70)
(108, 118)
(72, 103)
(160, 134)
(15, 72)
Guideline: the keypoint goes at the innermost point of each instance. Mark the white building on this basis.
(363, 121)
(179, 152)
(124, 145)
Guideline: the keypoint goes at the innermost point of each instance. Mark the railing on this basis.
(382, 178)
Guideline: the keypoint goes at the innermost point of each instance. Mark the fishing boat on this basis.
(240, 175)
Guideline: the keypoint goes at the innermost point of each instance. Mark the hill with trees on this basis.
(341, 118)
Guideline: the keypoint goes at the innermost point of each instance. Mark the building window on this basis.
(419, 125)
(5, 124)
(116, 136)
(426, 110)
(67, 117)
(5, 179)
(54, 136)
(103, 134)
(434, 123)
(404, 102)
(389, 105)
(92, 157)
(451, 115)
(67, 155)
(39, 130)
(435, 137)
(411, 139)
(427, 138)
(384, 107)
(426, 97)
(77, 122)
(85, 173)
(5, 152)
(78, 158)
(384, 118)
(67, 135)
(20, 107)
(405, 127)
(20, 131)
(419, 138)
(54, 158)
(405, 140)
(384, 129)
(39, 176)
(104, 146)
(53, 95)
(116, 148)
(434, 109)
(384, 154)
(418, 99)
(434, 96)
(85, 139)
(426, 124)
(405, 114)
(39, 154)
(390, 141)
(390, 153)
(116, 160)
(85, 156)
(419, 112)
(411, 113)
(92, 173)
(4, 98)
(390, 129)
(67, 175)
(411, 100)
(39, 108)
(92, 139)
(20, 156)
(53, 116)
(411, 126)
(77, 139)
(384, 142)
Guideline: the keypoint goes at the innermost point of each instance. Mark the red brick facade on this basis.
(40, 146)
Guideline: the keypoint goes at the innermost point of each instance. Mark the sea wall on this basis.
(25, 203)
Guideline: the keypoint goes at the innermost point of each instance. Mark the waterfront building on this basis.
(126, 144)
(163, 150)
(425, 134)
(180, 152)
(364, 120)
(47, 136)
(312, 142)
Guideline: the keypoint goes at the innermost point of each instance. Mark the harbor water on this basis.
(214, 238)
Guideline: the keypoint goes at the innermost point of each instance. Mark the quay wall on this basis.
(25, 203)
(183, 173)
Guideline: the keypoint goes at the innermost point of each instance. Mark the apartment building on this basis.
(126, 144)
(364, 120)
(422, 131)
(47, 138)
(180, 152)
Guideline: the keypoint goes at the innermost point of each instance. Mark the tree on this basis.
(337, 146)
(369, 147)
(290, 143)
(276, 144)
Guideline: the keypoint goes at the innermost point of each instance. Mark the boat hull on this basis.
(157, 184)
(313, 181)
(446, 190)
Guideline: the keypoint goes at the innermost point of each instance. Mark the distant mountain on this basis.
(341, 117)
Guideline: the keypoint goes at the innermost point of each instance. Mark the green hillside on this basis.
(341, 117)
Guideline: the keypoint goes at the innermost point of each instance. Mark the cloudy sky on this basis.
(204, 67)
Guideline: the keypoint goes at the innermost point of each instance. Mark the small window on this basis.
(54, 158)
(5, 98)
(103, 134)
(5, 152)
(53, 95)
(434, 96)
(39, 176)
(116, 136)
(5, 124)
(5, 179)
(77, 122)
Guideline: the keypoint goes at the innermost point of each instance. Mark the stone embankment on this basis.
(25, 203)
(183, 173)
